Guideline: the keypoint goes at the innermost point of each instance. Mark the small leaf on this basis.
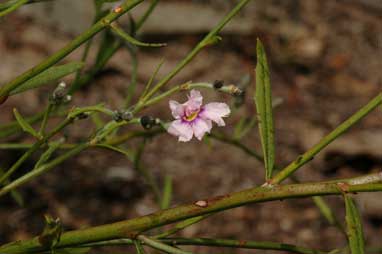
(25, 125)
(263, 100)
(354, 227)
(48, 76)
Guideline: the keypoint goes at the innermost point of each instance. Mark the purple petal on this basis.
(200, 127)
(215, 111)
(181, 129)
(177, 109)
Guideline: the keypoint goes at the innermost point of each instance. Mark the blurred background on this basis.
(325, 59)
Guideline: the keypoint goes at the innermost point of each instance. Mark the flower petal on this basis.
(195, 100)
(215, 111)
(177, 109)
(181, 129)
(200, 127)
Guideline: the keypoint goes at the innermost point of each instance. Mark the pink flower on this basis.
(191, 118)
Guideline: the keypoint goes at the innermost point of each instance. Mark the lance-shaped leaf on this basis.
(354, 227)
(48, 76)
(25, 125)
(263, 100)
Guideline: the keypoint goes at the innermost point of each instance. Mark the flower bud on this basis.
(218, 84)
(127, 116)
(147, 122)
(59, 94)
(117, 116)
(121, 115)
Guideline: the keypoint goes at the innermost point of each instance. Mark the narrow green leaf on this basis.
(354, 227)
(130, 39)
(167, 192)
(25, 125)
(44, 78)
(263, 100)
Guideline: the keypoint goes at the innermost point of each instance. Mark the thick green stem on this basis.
(97, 27)
(132, 228)
(341, 129)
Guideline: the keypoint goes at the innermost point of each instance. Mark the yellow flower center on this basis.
(192, 116)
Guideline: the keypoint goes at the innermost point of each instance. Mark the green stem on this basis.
(161, 246)
(85, 53)
(45, 119)
(238, 244)
(134, 226)
(323, 207)
(34, 148)
(183, 87)
(244, 244)
(182, 225)
(8, 4)
(146, 15)
(238, 144)
(209, 39)
(13, 7)
(149, 178)
(87, 77)
(341, 129)
(97, 27)
(42, 169)
(134, 75)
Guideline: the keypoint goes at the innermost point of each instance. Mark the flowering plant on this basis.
(192, 118)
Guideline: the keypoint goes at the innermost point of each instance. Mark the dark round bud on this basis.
(117, 116)
(127, 115)
(218, 84)
(147, 122)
